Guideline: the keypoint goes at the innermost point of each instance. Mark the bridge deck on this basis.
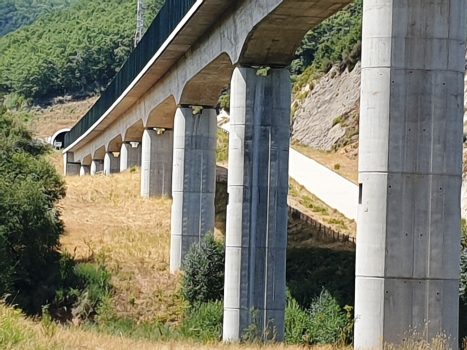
(177, 26)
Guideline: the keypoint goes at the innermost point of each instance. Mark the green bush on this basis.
(30, 225)
(329, 324)
(326, 322)
(204, 323)
(297, 322)
(204, 265)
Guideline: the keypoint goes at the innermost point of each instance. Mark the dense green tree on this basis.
(30, 225)
(73, 50)
(335, 39)
(17, 13)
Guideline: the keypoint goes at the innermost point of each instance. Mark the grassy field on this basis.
(108, 223)
(18, 333)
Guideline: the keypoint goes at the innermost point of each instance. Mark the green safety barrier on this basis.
(163, 25)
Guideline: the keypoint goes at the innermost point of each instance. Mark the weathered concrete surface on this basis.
(194, 181)
(410, 170)
(328, 186)
(130, 156)
(256, 32)
(111, 164)
(156, 163)
(256, 237)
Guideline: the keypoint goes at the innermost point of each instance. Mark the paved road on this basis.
(333, 189)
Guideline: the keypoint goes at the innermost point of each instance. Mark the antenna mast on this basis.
(139, 22)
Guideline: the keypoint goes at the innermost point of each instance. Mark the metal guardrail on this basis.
(163, 25)
(324, 230)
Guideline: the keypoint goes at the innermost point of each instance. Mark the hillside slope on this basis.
(17, 13)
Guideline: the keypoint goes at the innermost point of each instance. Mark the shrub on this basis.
(204, 272)
(329, 324)
(297, 322)
(30, 225)
(204, 323)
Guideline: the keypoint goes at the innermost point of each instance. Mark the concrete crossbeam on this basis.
(130, 156)
(156, 163)
(410, 170)
(256, 238)
(194, 180)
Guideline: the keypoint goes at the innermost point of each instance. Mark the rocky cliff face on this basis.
(326, 117)
(326, 114)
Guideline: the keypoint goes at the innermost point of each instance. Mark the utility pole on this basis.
(139, 22)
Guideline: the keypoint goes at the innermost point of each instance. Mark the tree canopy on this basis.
(70, 50)
(30, 225)
(17, 13)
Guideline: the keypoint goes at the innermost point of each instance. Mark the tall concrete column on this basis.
(97, 165)
(111, 164)
(70, 167)
(194, 180)
(410, 167)
(258, 181)
(156, 163)
(130, 156)
(84, 170)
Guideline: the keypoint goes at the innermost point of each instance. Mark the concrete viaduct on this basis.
(410, 150)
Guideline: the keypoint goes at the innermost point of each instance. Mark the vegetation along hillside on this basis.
(17, 13)
(70, 50)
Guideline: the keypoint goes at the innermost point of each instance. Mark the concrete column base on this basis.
(130, 156)
(156, 163)
(194, 181)
(111, 164)
(258, 185)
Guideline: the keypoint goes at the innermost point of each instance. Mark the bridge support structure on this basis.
(410, 167)
(194, 180)
(97, 165)
(111, 164)
(70, 167)
(130, 156)
(156, 163)
(256, 238)
(84, 170)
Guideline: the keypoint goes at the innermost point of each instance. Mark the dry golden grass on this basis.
(107, 221)
(311, 205)
(338, 163)
(48, 121)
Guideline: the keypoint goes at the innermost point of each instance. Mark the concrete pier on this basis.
(410, 167)
(194, 180)
(111, 164)
(130, 156)
(84, 170)
(70, 167)
(156, 163)
(97, 166)
(258, 181)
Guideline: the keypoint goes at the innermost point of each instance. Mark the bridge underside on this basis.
(410, 154)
